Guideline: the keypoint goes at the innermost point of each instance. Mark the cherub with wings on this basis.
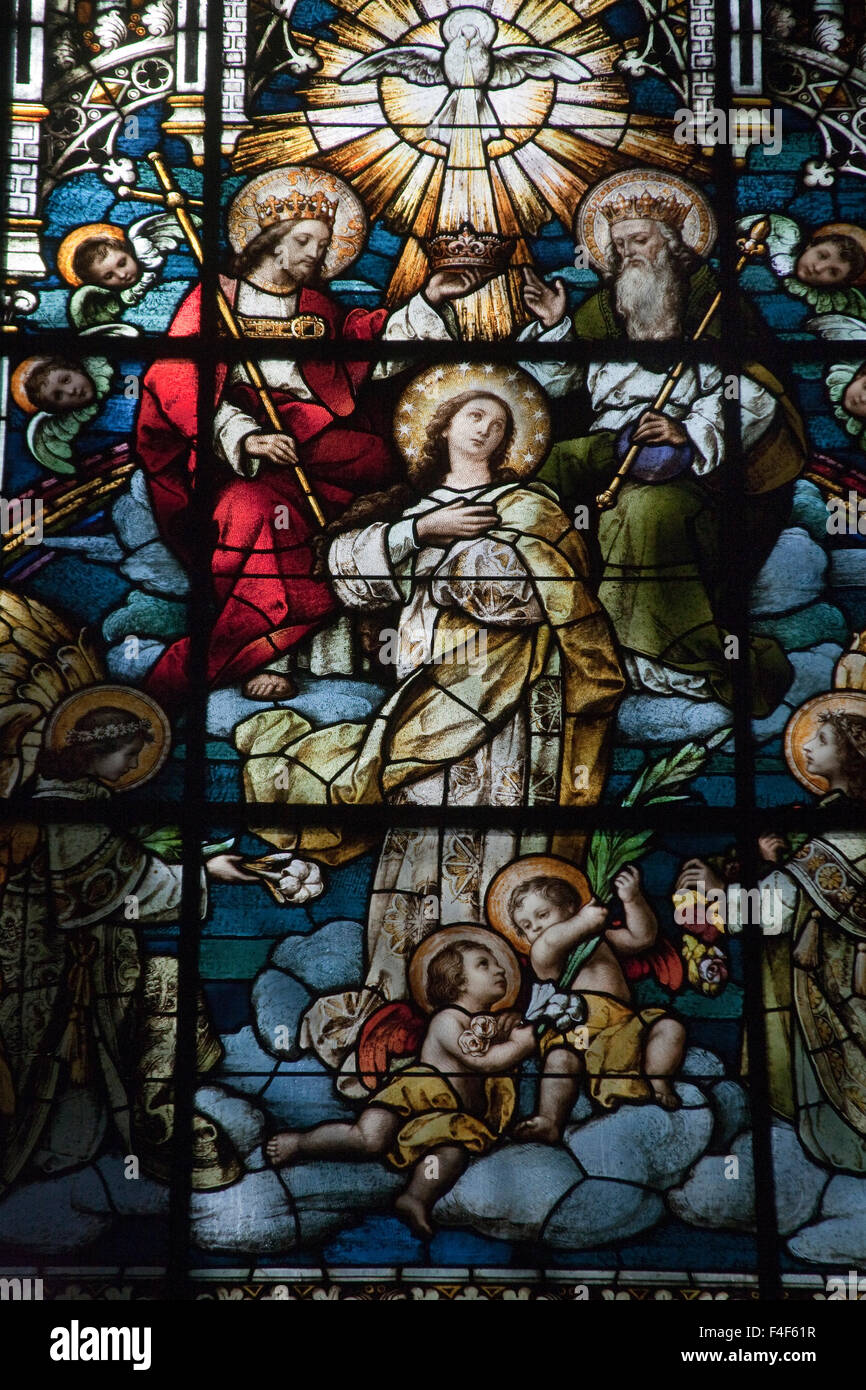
(824, 268)
(470, 66)
(62, 396)
(112, 268)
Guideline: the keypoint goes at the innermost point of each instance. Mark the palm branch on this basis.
(610, 850)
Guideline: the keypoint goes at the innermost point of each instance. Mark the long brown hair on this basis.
(247, 259)
(434, 459)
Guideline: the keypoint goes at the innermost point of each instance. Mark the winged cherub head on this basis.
(834, 260)
(106, 261)
(57, 385)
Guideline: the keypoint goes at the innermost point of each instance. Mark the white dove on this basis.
(470, 66)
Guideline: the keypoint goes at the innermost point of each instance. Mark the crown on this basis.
(297, 206)
(645, 206)
(108, 732)
(467, 249)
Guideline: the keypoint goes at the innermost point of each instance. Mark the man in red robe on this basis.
(262, 562)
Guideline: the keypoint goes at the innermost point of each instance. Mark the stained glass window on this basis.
(433, 718)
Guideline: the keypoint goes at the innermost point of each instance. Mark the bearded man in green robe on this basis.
(662, 549)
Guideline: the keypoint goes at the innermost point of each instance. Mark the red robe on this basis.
(267, 600)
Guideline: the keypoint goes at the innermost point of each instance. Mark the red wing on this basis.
(663, 961)
(395, 1030)
(635, 967)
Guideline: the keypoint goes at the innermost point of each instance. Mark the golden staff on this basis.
(753, 245)
(177, 202)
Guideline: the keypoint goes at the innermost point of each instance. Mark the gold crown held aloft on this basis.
(467, 249)
(646, 206)
(297, 206)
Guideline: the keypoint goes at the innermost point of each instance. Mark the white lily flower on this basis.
(538, 1000)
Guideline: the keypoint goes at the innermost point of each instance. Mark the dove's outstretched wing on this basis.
(415, 62)
(514, 63)
(42, 661)
(51, 438)
(837, 326)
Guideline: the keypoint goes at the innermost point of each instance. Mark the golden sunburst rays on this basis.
(506, 159)
(391, 18)
(550, 20)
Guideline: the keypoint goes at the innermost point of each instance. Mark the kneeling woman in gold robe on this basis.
(507, 680)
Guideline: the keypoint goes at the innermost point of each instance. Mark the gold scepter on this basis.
(178, 202)
(753, 245)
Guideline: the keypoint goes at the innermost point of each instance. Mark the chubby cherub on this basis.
(627, 1055)
(62, 396)
(111, 268)
(459, 1097)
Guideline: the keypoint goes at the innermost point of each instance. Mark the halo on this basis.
(350, 223)
(592, 228)
(139, 705)
(484, 23)
(519, 872)
(856, 233)
(18, 383)
(424, 395)
(804, 723)
(70, 244)
(479, 936)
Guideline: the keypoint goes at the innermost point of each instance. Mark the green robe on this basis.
(662, 573)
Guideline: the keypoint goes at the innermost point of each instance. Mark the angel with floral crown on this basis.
(87, 1020)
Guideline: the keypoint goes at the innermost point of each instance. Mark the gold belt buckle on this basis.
(307, 326)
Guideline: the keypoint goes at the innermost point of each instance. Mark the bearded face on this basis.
(650, 277)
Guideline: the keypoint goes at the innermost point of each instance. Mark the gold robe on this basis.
(509, 680)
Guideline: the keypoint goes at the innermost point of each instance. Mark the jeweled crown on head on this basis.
(646, 206)
(297, 206)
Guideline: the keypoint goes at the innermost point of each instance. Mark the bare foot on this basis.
(665, 1093)
(270, 685)
(282, 1148)
(414, 1213)
(537, 1130)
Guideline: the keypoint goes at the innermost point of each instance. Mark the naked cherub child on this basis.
(458, 1099)
(627, 1055)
